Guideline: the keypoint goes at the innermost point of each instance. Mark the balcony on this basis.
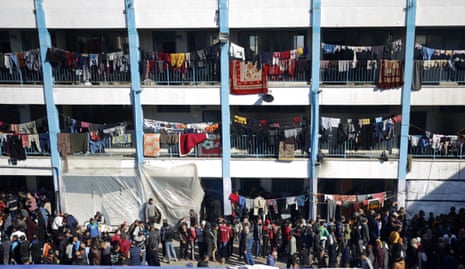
(437, 146)
(255, 146)
(331, 73)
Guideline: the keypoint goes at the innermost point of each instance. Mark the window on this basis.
(299, 41)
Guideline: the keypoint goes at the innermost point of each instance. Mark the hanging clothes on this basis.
(152, 145)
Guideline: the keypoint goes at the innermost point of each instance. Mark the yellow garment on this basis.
(394, 237)
(177, 59)
(364, 121)
(300, 51)
(240, 119)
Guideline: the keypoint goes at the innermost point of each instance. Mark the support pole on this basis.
(134, 58)
(223, 17)
(315, 106)
(406, 92)
(52, 112)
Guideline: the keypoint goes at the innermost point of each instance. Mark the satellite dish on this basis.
(268, 98)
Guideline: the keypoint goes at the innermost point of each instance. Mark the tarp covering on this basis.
(175, 190)
(120, 194)
(434, 196)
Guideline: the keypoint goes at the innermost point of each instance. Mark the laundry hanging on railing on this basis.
(156, 126)
(31, 127)
(363, 132)
(15, 61)
(390, 75)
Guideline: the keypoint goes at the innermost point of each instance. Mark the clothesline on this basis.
(429, 52)
(325, 195)
(331, 48)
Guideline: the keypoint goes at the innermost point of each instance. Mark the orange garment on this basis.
(46, 249)
(152, 145)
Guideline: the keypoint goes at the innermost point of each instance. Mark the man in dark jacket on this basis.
(153, 242)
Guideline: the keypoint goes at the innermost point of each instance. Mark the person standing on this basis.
(208, 237)
(248, 245)
(153, 243)
(134, 254)
(267, 231)
(332, 247)
(183, 241)
(192, 240)
(258, 236)
(224, 232)
(152, 215)
(168, 236)
(200, 240)
(92, 228)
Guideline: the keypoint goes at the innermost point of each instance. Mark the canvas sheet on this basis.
(120, 194)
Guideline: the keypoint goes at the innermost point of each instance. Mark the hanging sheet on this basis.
(391, 74)
(120, 194)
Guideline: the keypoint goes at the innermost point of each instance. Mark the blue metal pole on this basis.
(406, 92)
(225, 113)
(52, 112)
(315, 106)
(134, 58)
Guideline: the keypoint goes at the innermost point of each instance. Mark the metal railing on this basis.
(254, 146)
(351, 149)
(454, 149)
(209, 73)
(441, 72)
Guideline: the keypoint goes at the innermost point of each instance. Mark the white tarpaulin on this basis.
(120, 194)
(434, 196)
(175, 190)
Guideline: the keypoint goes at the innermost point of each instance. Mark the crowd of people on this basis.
(31, 233)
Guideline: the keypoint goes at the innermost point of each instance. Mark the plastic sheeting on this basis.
(120, 194)
(434, 196)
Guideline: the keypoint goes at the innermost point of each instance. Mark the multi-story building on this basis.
(394, 69)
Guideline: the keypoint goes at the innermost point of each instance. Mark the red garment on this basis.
(187, 142)
(234, 198)
(69, 59)
(224, 233)
(397, 119)
(125, 245)
(192, 234)
(115, 239)
(287, 233)
(165, 57)
(25, 141)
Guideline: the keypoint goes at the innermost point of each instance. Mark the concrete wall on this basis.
(72, 14)
(176, 14)
(362, 13)
(243, 13)
(269, 13)
(210, 95)
(17, 14)
(440, 13)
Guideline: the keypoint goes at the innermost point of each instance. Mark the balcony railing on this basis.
(351, 149)
(334, 73)
(254, 146)
(446, 148)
